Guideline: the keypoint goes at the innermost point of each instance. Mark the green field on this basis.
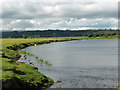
(21, 74)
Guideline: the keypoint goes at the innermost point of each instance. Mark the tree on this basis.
(25, 36)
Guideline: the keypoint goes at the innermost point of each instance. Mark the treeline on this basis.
(102, 34)
(58, 33)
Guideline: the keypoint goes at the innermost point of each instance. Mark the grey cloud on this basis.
(10, 14)
(47, 10)
(59, 23)
(11, 24)
(59, 15)
(87, 11)
(22, 24)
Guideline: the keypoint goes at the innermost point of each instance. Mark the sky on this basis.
(58, 14)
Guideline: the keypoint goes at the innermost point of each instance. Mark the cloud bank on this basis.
(59, 15)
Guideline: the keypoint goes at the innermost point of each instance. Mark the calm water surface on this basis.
(80, 63)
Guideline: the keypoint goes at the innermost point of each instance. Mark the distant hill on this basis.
(57, 33)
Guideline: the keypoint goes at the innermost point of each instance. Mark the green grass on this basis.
(10, 53)
(59, 81)
(24, 74)
(23, 52)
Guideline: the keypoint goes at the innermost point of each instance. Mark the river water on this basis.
(79, 63)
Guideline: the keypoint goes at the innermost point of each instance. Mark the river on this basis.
(79, 64)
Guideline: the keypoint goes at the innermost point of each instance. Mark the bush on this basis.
(10, 54)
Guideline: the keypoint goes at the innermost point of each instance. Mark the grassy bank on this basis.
(16, 74)
(21, 74)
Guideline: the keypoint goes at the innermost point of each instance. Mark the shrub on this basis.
(10, 54)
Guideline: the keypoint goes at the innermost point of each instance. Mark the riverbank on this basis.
(24, 75)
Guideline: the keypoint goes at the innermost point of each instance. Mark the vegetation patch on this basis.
(10, 54)
(40, 61)
(23, 52)
(23, 73)
(44, 63)
(59, 81)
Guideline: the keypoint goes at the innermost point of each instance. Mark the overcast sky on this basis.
(74, 15)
